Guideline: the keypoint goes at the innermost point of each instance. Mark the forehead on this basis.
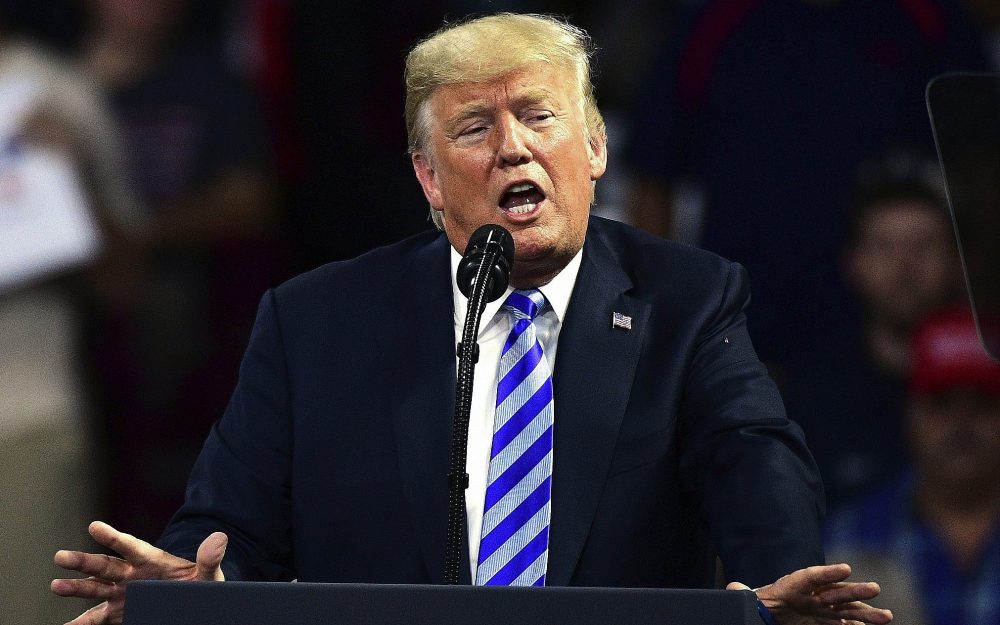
(530, 84)
(905, 216)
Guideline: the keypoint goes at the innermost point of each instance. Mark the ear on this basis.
(597, 153)
(427, 177)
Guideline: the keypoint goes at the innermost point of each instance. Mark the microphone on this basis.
(490, 243)
(482, 276)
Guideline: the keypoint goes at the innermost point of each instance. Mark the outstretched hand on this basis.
(820, 595)
(139, 560)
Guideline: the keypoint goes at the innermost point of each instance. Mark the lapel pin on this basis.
(620, 321)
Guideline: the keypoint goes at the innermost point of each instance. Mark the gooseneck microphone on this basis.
(483, 275)
(491, 249)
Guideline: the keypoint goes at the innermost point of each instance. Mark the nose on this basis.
(514, 144)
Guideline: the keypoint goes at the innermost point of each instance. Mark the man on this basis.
(933, 535)
(330, 462)
(901, 262)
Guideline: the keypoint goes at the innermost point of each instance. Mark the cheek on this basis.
(871, 275)
(924, 433)
(869, 264)
(461, 190)
(461, 166)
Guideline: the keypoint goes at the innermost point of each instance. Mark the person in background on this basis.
(172, 306)
(765, 110)
(933, 536)
(58, 143)
(900, 261)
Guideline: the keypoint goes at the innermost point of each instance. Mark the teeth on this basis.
(522, 209)
(521, 187)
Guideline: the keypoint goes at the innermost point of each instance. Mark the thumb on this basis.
(209, 559)
(731, 586)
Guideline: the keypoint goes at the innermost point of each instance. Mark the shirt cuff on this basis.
(765, 614)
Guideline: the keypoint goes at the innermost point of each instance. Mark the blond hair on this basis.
(485, 48)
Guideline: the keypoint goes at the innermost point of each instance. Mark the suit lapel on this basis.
(418, 332)
(593, 376)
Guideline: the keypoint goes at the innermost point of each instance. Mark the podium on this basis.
(262, 603)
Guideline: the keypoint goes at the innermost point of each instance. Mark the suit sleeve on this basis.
(240, 482)
(756, 482)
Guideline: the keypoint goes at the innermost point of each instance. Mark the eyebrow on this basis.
(467, 112)
(480, 108)
(533, 95)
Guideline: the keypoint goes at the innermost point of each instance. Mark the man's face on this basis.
(955, 436)
(513, 151)
(905, 261)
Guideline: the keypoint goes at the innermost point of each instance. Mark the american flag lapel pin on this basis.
(620, 321)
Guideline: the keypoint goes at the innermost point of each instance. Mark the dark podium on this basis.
(254, 603)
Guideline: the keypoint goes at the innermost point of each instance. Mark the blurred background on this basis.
(163, 162)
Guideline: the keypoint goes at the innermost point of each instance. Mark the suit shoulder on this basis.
(643, 252)
(366, 275)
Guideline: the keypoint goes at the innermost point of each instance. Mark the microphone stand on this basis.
(468, 355)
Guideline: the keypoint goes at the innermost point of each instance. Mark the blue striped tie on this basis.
(514, 549)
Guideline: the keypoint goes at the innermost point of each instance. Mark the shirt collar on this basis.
(557, 292)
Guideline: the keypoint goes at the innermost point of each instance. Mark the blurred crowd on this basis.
(205, 151)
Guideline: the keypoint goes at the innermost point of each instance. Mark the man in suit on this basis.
(669, 442)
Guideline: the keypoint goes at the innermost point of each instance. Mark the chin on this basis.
(528, 246)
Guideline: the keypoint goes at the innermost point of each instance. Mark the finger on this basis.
(808, 579)
(89, 588)
(863, 612)
(825, 587)
(858, 611)
(135, 551)
(208, 561)
(96, 564)
(97, 615)
(737, 586)
(849, 592)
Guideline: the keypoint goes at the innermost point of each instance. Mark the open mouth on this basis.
(521, 199)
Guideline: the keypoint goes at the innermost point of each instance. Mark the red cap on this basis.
(947, 354)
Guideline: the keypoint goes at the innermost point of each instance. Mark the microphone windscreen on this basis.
(491, 232)
(498, 275)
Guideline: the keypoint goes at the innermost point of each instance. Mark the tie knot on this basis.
(525, 304)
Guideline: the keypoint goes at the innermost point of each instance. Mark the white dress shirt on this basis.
(493, 330)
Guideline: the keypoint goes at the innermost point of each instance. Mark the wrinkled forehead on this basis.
(525, 86)
(532, 82)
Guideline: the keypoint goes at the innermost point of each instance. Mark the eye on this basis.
(539, 116)
(473, 130)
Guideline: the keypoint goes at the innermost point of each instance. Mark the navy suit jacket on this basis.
(670, 443)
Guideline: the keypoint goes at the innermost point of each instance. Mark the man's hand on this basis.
(139, 560)
(820, 595)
